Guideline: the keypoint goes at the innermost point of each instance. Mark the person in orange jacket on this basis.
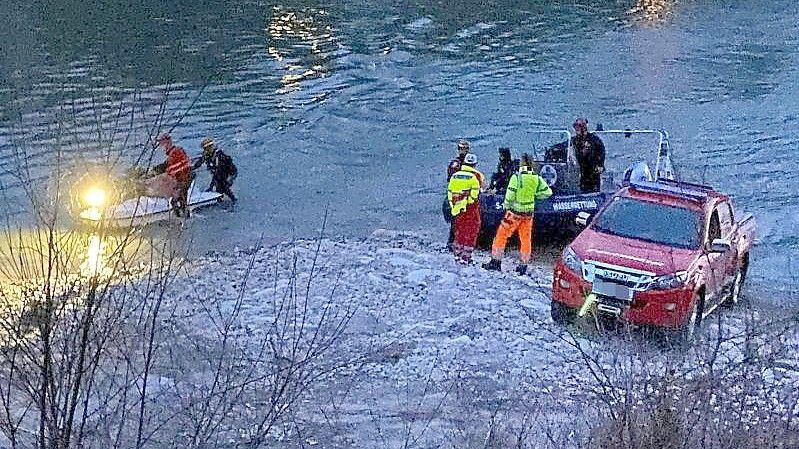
(463, 192)
(453, 166)
(178, 166)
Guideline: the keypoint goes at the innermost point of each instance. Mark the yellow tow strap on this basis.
(589, 301)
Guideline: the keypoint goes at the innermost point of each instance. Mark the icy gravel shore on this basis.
(434, 351)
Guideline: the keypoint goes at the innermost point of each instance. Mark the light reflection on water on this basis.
(653, 11)
(96, 258)
(63, 270)
(301, 38)
(31, 258)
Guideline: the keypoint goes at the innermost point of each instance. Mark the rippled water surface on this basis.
(356, 105)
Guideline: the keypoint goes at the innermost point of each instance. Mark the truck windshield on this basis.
(652, 222)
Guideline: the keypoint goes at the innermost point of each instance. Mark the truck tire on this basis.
(737, 283)
(693, 322)
(562, 314)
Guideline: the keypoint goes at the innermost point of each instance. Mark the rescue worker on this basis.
(462, 193)
(590, 152)
(220, 164)
(454, 166)
(178, 166)
(506, 167)
(524, 189)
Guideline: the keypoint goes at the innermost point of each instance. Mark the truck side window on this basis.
(714, 230)
(725, 218)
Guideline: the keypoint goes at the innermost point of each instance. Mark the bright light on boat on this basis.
(94, 197)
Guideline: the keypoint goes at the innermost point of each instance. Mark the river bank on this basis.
(435, 353)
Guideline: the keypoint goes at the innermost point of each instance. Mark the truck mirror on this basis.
(720, 246)
(582, 218)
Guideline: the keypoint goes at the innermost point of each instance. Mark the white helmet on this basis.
(470, 159)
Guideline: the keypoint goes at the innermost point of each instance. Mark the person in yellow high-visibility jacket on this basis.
(462, 193)
(524, 189)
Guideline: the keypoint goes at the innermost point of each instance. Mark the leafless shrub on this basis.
(735, 387)
(114, 350)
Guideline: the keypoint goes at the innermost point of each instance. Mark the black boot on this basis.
(521, 269)
(493, 264)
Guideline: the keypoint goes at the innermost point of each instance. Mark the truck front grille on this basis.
(630, 278)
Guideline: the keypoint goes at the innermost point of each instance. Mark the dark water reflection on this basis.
(355, 105)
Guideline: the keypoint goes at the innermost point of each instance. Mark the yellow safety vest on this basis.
(524, 189)
(463, 188)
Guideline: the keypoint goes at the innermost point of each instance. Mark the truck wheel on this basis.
(561, 314)
(738, 282)
(735, 291)
(690, 328)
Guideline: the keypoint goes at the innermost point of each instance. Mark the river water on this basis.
(355, 106)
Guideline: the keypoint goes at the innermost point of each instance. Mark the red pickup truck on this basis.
(662, 253)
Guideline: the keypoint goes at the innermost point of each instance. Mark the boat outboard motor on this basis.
(639, 171)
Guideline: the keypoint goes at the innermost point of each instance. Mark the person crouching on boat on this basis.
(462, 192)
(223, 170)
(178, 166)
(506, 167)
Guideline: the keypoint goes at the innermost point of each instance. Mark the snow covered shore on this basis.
(435, 353)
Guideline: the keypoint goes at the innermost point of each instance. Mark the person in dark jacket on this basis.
(506, 167)
(590, 152)
(220, 164)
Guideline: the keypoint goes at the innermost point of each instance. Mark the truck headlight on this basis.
(669, 281)
(571, 260)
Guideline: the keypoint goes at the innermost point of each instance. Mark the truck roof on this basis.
(675, 193)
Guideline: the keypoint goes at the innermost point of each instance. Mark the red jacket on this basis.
(178, 164)
(454, 165)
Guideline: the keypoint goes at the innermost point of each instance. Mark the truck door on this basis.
(716, 265)
(719, 227)
(729, 232)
